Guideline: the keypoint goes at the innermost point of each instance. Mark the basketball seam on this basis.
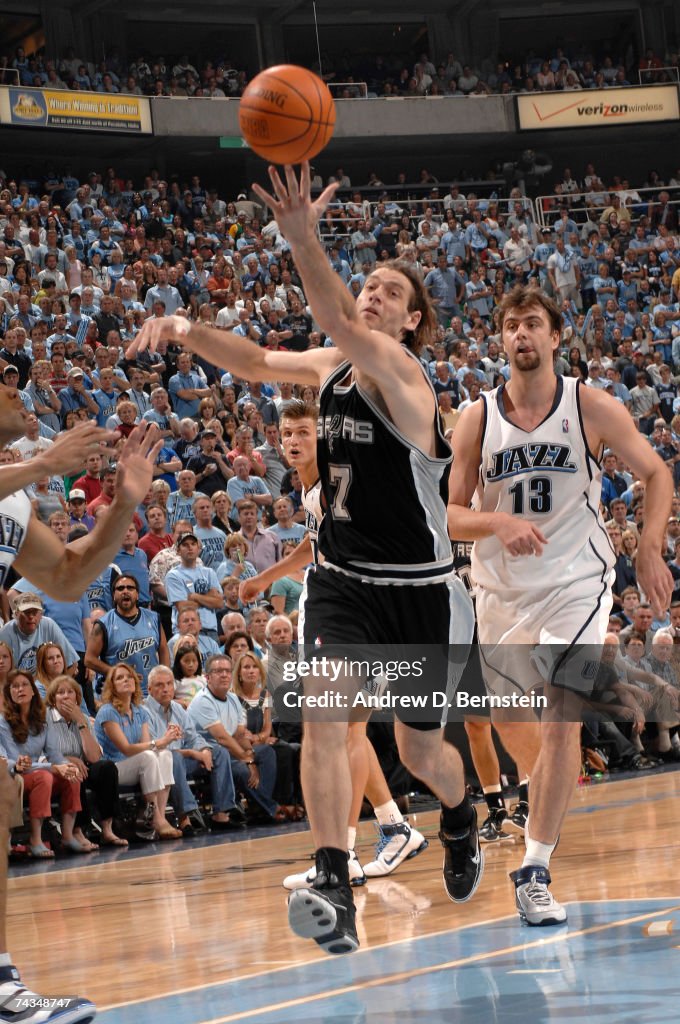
(287, 117)
(294, 88)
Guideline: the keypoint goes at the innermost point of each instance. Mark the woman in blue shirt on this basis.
(25, 743)
(122, 729)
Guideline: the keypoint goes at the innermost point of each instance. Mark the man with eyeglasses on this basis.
(127, 634)
(217, 716)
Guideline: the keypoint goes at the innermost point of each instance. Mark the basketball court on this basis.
(198, 934)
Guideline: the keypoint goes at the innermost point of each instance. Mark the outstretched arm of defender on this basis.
(517, 535)
(239, 355)
(297, 559)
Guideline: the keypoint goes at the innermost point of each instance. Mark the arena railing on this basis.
(648, 77)
(547, 207)
(336, 89)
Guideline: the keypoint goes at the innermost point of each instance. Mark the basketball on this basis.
(287, 114)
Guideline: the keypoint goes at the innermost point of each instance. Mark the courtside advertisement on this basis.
(597, 108)
(59, 108)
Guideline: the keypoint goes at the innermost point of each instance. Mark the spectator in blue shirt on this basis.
(186, 388)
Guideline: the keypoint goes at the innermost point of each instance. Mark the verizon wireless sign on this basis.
(596, 108)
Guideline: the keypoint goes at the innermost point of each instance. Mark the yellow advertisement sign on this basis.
(60, 108)
(597, 108)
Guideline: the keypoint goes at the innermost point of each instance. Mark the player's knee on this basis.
(476, 729)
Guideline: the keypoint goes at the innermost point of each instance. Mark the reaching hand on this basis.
(154, 331)
(295, 213)
(70, 450)
(248, 590)
(137, 459)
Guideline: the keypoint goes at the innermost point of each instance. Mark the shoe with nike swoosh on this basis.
(463, 861)
(396, 844)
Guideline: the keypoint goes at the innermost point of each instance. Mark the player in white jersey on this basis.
(527, 457)
(62, 572)
(398, 841)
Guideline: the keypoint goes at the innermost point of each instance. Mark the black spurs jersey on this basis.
(385, 499)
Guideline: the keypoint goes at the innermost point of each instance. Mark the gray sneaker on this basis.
(534, 901)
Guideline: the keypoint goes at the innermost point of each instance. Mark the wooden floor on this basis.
(144, 928)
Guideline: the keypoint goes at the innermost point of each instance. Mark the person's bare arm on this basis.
(66, 456)
(517, 535)
(370, 351)
(95, 646)
(63, 572)
(239, 355)
(213, 599)
(297, 559)
(608, 425)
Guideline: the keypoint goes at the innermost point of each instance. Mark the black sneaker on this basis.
(18, 1004)
(492, 829)
(463, 861)
(518, 816)
(325, 911)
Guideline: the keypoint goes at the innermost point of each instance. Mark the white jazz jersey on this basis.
(311, 502)
(549, 477)
(15, 513)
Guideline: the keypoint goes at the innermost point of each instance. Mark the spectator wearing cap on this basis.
(193, 584)
(210, 465)
(29, 629)
(10, 378)
(77, 507)
(75, 396)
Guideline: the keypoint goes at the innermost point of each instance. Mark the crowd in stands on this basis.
(349, 76)
(130, 675)
(152, 76)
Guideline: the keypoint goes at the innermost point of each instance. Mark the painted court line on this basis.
(421, 971)
(368, 950)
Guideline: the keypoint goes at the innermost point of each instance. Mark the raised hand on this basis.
(137, 459)
(166, 328)
(295, 213)
(70, 450)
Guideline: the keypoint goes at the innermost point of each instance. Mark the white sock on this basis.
(5, 960)
(388, 814)
(351, 837)
(537, 854)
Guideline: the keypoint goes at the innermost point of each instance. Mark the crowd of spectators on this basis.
(349, 76)
(152, 76)
(83, 264)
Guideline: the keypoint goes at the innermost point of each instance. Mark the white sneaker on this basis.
(396, 844)
(19, 1004)
(534, 901)
(305, 878)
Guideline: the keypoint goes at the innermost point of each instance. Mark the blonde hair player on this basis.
(398, 841)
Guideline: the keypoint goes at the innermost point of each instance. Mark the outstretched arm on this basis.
(67, 455)
(297, 559)
(371, 351)
(64, 572)
(237, 354)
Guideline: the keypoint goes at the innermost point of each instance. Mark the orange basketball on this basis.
(287, 114)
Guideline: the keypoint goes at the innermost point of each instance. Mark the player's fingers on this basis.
(279, 187)
(324, 199)
(305, 179)
(539, 536)
(291, 182)
(265, 196)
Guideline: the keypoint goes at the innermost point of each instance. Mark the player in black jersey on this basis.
(388, 572)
